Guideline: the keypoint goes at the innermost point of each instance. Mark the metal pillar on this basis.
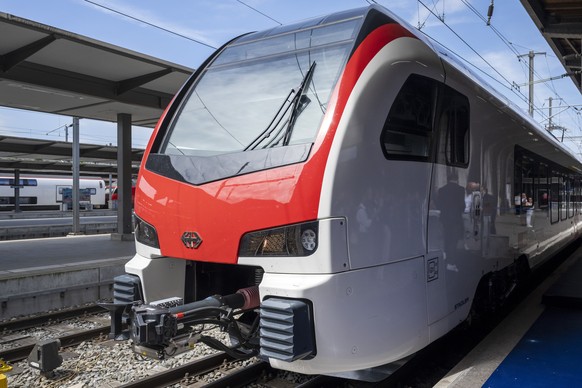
(531, 56)
(550, 114)
(76, 187)
(531, 82)
(124, 204)
(110, 185)
(17, 188)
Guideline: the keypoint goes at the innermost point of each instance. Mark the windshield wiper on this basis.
(300, 103)
(297, 104)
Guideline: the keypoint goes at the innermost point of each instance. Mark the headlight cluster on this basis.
(292, 240)
(146, 233)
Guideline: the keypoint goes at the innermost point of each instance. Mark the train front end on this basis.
(230, 230)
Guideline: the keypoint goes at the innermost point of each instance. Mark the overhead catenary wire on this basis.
(507, 42)
(150, 24)
(259, 12)
(434, 5)
(524, 98)
(513, 47)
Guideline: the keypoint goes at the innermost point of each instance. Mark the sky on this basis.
(189, 30)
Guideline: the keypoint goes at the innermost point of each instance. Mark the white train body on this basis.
(46, 192)
(414, 201)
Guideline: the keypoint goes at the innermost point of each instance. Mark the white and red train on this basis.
(45, 192)
(353, 190)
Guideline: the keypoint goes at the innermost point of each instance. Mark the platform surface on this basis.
(548, 355)
(567, 290)
(537, 345)
(28, 255)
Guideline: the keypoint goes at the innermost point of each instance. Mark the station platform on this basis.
(538, 345)
(44, 254)
(43, 274)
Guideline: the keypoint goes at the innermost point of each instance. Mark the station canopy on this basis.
(560, 22)
(54, 157)
(46, 69)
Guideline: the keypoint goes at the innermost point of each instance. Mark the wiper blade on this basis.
(266, 133)
(299, 104)
(296, 103)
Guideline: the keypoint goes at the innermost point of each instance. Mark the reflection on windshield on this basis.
(240, 94)
(281, 126)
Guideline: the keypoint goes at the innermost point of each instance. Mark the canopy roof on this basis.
(46, 69)
(560, 22)
(33, 155)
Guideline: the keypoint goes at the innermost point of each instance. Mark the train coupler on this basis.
(160, 332)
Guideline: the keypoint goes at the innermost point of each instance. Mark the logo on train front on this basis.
(191, 240)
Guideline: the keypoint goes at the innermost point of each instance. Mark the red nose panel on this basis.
(206, 222)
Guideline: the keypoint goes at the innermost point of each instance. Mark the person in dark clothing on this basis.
(490, 209)
(451, 203)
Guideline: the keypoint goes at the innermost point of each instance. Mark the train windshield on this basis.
(263, 94)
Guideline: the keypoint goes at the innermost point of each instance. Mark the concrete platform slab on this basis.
(23, 255)
(44, 274)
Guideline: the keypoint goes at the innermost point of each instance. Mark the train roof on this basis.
(306, 24)
(489, 93)
(503, 104)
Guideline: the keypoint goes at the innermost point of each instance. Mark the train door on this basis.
(455, 227)
(399, 196)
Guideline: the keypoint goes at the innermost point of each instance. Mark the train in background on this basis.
(336, 195)
(44, 192)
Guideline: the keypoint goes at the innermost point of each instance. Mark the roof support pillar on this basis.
(125, 203)
(76, 174)
(17, 188)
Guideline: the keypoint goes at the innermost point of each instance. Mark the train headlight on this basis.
(146, 233)
(292, 240)
(309, 240)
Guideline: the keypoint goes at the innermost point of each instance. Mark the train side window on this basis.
(565, 197)
(576, 198)
(407, 132)
(570, 191)
(555, 197)
(453, 128)
(528, 173)
(22, 182)
(542, 188)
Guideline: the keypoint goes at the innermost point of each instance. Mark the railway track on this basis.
(220, 370)
(209, 368)
(74, 346)
(19, 353)
(175, 375)
(50, 317)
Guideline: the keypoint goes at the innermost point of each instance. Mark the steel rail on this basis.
(20, 353)
(174, 375)
(52, 317)
(242, 376)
